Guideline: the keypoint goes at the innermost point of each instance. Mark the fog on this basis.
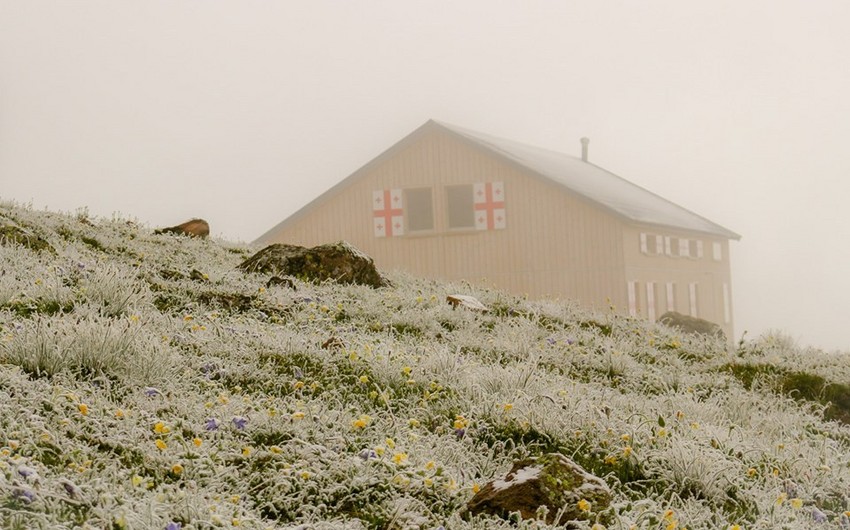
(241, 112)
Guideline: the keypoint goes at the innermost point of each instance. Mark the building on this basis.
(446, 202)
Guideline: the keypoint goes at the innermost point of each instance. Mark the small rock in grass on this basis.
(466, 302)
(547, 484)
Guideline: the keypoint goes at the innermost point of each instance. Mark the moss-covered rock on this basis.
(339, 262)
(543, 488)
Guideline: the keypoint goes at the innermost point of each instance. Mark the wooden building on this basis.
(446, 202)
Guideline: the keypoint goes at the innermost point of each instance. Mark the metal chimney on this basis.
(584, 143)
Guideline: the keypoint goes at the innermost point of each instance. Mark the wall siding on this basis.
(556, 244)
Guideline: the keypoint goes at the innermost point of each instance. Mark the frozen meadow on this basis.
(146, 383)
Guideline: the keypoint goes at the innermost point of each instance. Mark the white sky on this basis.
(243, 111)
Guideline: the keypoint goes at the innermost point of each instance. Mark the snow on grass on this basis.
(146, 383)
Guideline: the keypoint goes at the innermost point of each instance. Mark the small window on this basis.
(651, 244)
(717, 249)
(419, 209)
(684, 248)
(694, 248)
(461, 208)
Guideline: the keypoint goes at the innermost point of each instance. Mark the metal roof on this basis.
(595, 183)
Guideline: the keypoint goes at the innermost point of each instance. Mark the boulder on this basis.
(193, 228)
(550, 484)
(340, 262)
(12, 233)
(691, 325)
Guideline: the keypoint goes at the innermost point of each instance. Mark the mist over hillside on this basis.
(147, 382)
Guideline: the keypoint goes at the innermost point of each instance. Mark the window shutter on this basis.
(643, 242)
(632, 298)
(659, 245)
(699, 249)
(668, 246)
(650, 300)
(671, 296)
(692, 291)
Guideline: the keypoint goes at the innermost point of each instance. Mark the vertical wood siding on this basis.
(556, 243)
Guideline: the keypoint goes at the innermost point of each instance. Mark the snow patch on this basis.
(523, 475)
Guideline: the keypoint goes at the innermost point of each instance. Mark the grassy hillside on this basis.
(146, 383)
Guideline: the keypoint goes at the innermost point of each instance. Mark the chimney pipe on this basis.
(584, 142)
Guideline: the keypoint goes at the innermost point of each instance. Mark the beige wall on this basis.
(555, 244)
(709, 274)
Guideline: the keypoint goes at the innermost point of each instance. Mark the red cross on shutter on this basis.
(388, 212)
(489, 205)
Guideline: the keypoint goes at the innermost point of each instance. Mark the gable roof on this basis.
(590, 181)
(595, 183)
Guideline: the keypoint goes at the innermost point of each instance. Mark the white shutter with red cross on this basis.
(387, 213)
(489, 204)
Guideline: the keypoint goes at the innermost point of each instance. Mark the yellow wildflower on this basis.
(390, 443)
(83, 408)
(796, 503)
(119, 413)
(198, 442)
(508, 406)
(161, 428)
(364, 379)
(177, 469)
(406, 370)
(297, 415)
(361, 422)
(136, 480)
(583, 505)
(305, 475)
(627, 451)
(160, 445)
(246, 451)
(413, 422)
(275, 449)
(475, 487)
(399, 458)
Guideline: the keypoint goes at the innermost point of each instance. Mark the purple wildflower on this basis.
(27, 472)
(368, 454)
(151, 391)
(72, 489)
(24, 495)
(551, 341)
(571, 342)
(460, 433)
(239, 422)
(173, 526)
(818, 515)
(790, 488)
(211, 424)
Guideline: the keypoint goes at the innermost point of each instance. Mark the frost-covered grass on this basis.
(146, 383)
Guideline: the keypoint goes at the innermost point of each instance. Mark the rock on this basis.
(340, 262)
(467, 302)
(691, 325)
(193, 228)
(12, 233)
(552, 481)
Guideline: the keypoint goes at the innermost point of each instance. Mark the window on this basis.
(717, 250)
(692, 292)
(695, 248)
(419, 209)
(671, 296)
(460, 206)
(651, 244)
